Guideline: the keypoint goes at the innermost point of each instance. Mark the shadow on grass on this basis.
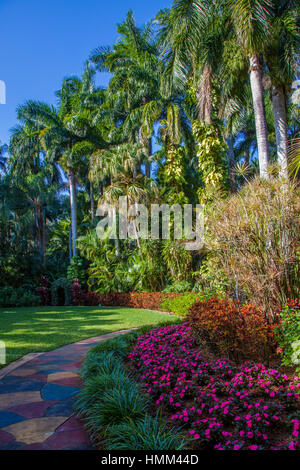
(37, 329)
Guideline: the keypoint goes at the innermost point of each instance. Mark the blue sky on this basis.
(43, 41)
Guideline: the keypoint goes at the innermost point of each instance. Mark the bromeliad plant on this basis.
(220, 405)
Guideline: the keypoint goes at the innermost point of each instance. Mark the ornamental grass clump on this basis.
(219, 405)
(254, 237)
(148, 433)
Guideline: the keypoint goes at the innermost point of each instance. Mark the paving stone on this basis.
(32, 410)
(68, 440)
(36, 446)
(35, 430)
(58, 392)
(71, 424)
(12, 445)
(7, 418)
(23, 372)
(61, 408)
(9, 400)
(21, 386)
(39, 377)
(71, 382)
(6, 437)
(61, 375)
(43, 369)
(37, 401)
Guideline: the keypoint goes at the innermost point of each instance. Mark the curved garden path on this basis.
(36, 400)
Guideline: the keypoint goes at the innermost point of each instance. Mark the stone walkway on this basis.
(36, 400)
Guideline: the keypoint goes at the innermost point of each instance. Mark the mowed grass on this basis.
(35, 329)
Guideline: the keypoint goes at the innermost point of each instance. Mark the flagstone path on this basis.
(36, 400)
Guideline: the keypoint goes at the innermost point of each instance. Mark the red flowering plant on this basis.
(220, 405)
(238, 332)
(44, 291)
(79, 297)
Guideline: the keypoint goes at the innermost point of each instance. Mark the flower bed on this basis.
(221, 406)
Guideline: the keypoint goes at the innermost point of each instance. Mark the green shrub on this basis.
(150, 433)
(119, 346)
(121, 404)
(180, 305)
(288, 334)
(100, 363)
(178, 287)
(95, 387)
(76, 270)
(18, 297)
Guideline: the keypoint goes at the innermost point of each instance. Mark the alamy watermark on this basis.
(125, 221)
(2, 92)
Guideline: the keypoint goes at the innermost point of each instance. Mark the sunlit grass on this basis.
(35, 329)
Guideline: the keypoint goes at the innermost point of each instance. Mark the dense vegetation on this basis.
(202, 107)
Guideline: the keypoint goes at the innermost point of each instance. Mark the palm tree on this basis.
(119, 163)
(135, 66)
(281, 58)
(68, 133)
(251, 20)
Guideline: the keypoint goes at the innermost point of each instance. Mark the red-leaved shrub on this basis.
(228, 329)
(79, 297)
(146, 300)
(44, 291)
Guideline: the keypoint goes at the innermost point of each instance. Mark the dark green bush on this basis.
(18, 297)
(178, 287)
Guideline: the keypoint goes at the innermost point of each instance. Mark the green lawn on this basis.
(34, 329)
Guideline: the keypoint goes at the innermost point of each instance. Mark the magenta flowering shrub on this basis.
(222, 406)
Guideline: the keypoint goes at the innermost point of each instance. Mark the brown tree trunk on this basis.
(204, 96)
(92, 202)
(73, 204)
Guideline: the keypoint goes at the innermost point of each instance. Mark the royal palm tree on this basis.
(67, 133)
(251, 20)
(136, 68)
(281, 57)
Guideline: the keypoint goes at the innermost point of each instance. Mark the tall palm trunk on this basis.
(70, 244)
(73, 204)
(44, 237)
(260, 115)
(204, 96)
(92, 202)
(280, 120)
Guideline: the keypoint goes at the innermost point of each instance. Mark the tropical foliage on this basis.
(201, 100)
